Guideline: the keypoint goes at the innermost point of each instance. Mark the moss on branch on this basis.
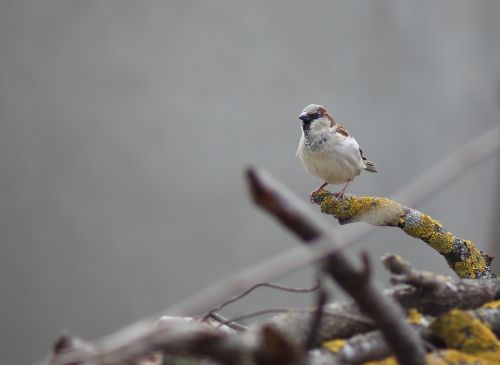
(467, 341)
(464, 335)
(462, 256)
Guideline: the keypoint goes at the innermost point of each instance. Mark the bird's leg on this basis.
(340, 194)
(315, 191)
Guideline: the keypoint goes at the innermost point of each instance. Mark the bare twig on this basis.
(266, 311)
(290, 312)
(350, 316)
(231, 324)
(266, 285)
(340, 320)
(437, 293)
(297, 216)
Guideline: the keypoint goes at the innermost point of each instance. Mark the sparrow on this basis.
(328, 151)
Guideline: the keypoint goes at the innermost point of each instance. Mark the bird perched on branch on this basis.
(328, 151)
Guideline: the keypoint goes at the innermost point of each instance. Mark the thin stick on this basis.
(264, 311)
(350, 316)
(267, 285)
(231, 324)
(292, 310)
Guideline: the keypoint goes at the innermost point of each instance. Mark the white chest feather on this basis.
(331, 157)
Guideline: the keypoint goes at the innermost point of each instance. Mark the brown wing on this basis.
(342, 130)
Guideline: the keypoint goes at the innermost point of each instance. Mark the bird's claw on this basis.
(339, 196)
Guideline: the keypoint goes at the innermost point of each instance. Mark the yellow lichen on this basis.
(454, 357)
(334, 345)
(346, 208)
(441, 241)
(446, 357)
(373, 210)
(473, 264)
(470, 342)
(493, 304)
(424, 229)
(460, 330)
(395, 263)
(387, 361)
(414, 316)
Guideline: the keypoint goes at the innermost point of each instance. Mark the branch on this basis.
(259, 285)
(462, 256)
(433, 294)
(179, 338)
(294, 214)
(339, 320)
(426, 292)
(476, 326)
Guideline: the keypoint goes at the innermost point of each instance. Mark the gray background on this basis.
(125, 126)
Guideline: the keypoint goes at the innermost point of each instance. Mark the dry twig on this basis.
(260, 285)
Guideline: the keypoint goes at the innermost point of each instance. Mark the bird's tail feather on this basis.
(370, 166)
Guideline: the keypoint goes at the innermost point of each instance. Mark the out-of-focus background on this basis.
(125, 127)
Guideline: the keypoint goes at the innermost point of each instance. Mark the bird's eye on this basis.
(314, 116)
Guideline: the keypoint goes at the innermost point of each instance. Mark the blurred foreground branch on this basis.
(440, 308)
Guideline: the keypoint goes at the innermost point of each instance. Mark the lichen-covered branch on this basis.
(465, 334)
(433, 294)
(462, 256)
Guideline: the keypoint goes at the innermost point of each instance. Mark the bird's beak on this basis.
(305, 117)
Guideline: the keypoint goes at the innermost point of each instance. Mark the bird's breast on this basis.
(331, 161)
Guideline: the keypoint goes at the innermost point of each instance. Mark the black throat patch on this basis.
(306, 129)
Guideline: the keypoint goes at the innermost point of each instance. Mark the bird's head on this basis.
(316, 117)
